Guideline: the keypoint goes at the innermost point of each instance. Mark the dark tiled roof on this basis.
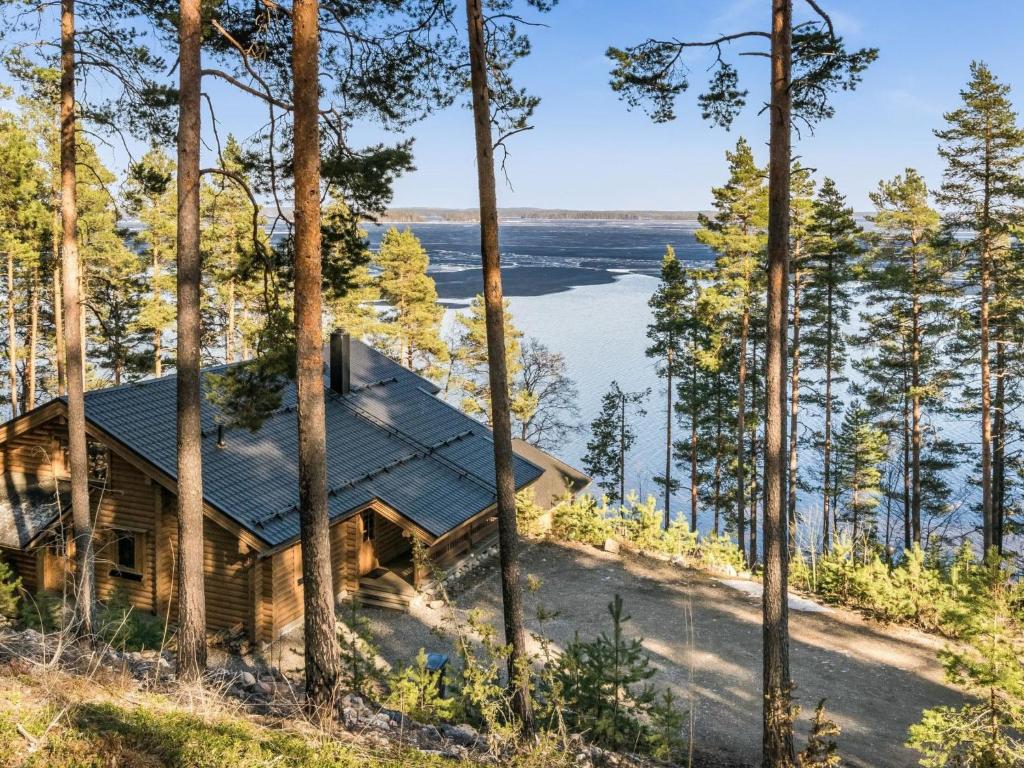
(28, 505)
(391, 438)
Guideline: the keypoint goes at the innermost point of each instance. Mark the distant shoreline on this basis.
(417, 215)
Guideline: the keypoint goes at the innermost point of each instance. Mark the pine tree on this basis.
(233, 244)
(666, 334)
(412, 322)
(469, 363)
(604, 683)
(986, 731)
(612, 436)
(833, 246)
(983, 148)
(693, 390)
(801, 213)
(906, 279)
(191, 637)
(737, 233)
(24, 225)
(861, 449)
(352, 310)
(150, 193)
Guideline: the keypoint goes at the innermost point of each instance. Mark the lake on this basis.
(581, 288)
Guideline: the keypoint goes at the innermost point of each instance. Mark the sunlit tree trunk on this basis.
(158, 345)
(777, 745)
(670, 363)
(741, 415)
(12, 337)
(191, 636)
(501, 421)
(85, 585)
(229, 334)
(794, 407)
(58, 305)
(321, 645)
(33, 341)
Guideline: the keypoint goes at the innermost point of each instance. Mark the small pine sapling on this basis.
(358, 651)
(416, 692)
(821, 749)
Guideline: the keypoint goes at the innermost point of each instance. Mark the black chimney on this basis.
(341, 362)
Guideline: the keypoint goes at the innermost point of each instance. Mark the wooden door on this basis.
(367, 542)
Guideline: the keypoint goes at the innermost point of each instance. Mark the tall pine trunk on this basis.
(191, 637)
(999, 444)
(158, 346)
(33, 340)
(915, 410)
(908, 461)
(622, 450)
(668, 437)
(986, 388)
(12, 337)
(58, 308)
(826, 534)
(85, 583)
(694, 478)
(777, 744)
(754, 490)
(741, 414)
(501, 422)
(718, 452)
(229, 333)
(323, 661)
(794, 406)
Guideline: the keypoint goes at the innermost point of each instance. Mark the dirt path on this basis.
(705, 637)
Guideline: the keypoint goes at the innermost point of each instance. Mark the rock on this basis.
(267, 689)
(247, 679)
(678, 560)
(381, 721)
(611, 545)
(436, 604)
(463, 734)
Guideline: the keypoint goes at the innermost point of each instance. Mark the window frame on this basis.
(135, 572)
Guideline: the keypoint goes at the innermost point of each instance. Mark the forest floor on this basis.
(704, 635)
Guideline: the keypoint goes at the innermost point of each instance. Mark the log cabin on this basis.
(403, 466)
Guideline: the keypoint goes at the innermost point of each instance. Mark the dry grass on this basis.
(53, 718)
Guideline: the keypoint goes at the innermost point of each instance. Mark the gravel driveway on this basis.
(705, 638)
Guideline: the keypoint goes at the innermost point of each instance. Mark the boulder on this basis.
(247, 679)
(463, 734)
(611, 545)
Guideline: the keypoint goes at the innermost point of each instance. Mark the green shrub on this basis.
(416, 692)
(717, 552)
(43, 612)
(528, 513)
(987, 730)
(10, 589)
(582, 519)
(123, 626)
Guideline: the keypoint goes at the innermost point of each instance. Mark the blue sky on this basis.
(588, 151)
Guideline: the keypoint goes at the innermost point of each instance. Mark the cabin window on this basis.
(368, 525)
(97, 459)
(127, 555)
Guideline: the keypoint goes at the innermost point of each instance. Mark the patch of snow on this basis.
(796, 603)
